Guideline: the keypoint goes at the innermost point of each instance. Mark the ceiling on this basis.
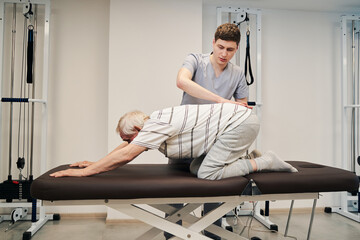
(341, 6)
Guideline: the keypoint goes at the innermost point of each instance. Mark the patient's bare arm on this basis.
(111, 161)
(83, 164)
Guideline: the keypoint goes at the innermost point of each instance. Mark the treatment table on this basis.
(129, 187)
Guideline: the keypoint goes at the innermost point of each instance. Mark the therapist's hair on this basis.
(129, 120)
(228, 32)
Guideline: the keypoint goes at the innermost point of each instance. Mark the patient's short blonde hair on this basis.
(129, 120)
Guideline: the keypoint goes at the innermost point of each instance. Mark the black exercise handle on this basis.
(251, 103)
(30, 56)
(15, 100)
(247, 60)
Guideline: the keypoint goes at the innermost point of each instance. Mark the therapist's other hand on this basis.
(244, 104)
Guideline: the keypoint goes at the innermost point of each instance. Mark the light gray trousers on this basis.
(222, 161)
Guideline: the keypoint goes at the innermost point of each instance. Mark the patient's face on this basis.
(129, 138)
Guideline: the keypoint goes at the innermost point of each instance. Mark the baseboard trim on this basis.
(121, 221)
(82, 215)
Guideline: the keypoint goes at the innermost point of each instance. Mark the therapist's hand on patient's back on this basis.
(235, 102)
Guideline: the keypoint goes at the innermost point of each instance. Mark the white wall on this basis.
(300, 84)
(78, 85)
(78, 81)
(148, 43)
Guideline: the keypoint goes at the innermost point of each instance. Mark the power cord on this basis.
(253, 228)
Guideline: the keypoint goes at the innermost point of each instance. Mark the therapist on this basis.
(212, 78)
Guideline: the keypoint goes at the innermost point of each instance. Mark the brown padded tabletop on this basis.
(310, 178)
(134, 181)
(162, 180)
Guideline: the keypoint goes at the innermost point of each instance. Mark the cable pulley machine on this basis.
(22, 115)
(20, 188)
(350, 112)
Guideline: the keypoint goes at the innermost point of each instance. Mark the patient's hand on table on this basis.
(70, 173)
(82, 164)
(73, 172)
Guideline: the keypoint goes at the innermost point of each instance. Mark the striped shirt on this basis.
(189, 131)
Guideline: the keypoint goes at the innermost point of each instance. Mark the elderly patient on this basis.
(214, 135)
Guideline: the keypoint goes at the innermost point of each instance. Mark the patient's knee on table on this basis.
(195, 165)
(209, 173)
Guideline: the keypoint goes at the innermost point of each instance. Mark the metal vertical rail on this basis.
(45, 87)
(2, 25)
(33, 96)
(353, 110)
(13, 35)
(357, 91)
(344, 88)
(345, 106)
(258, 74)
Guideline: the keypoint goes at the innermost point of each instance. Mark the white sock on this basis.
(271, 162)
(237, 168)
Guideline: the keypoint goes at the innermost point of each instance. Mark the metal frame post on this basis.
(2, 23)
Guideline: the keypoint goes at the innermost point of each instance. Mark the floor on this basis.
(326, 226)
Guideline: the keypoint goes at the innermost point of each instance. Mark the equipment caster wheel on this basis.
(327, 210)
(262, 212)
(229, 228)
(27, 235)
(56, 217)
(273, 228)
(255, 238)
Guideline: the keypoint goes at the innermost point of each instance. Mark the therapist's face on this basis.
(223, 51)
